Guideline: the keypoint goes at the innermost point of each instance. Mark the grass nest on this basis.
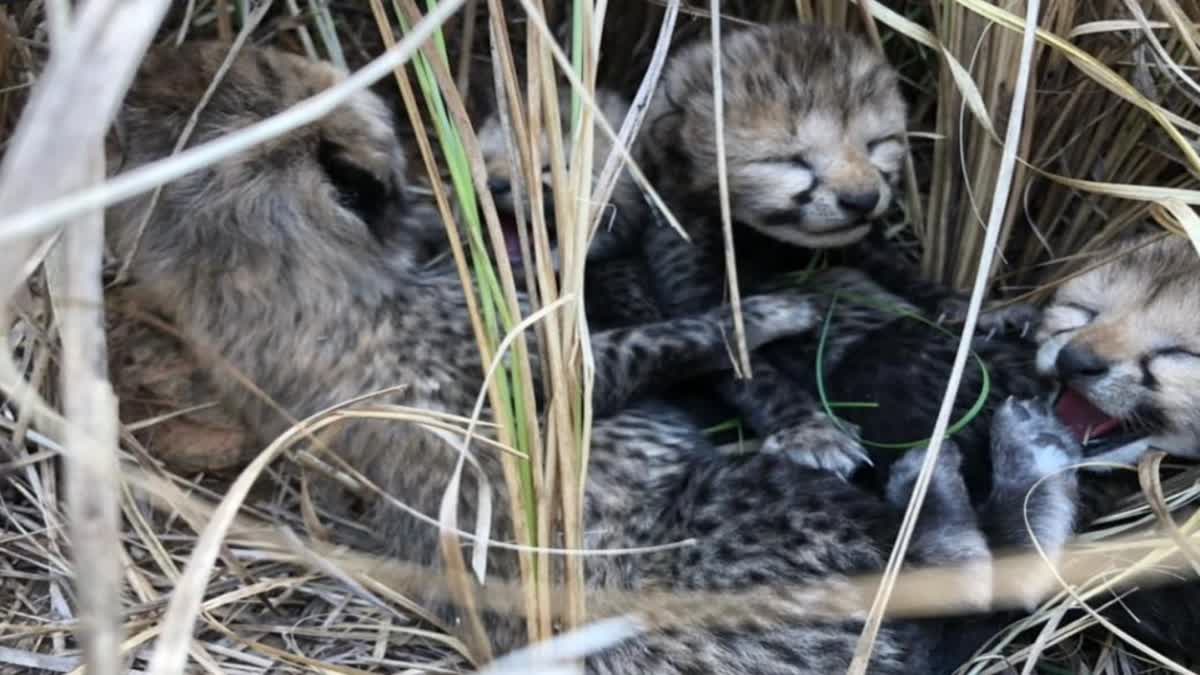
(271, 600)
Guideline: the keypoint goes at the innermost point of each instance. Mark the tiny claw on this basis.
(1025, 329)
(991, 334)
(941, 318)
(862, 454)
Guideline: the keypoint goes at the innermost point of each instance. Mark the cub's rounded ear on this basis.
(359, 190)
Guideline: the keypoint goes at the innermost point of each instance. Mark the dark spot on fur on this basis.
(820, 521)
(705, 526)
(758, 578)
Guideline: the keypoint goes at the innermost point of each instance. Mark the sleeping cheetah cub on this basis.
(294, 263)
(814, 140)
(1123, 340)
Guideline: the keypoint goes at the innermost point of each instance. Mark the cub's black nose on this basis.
(1075, 361)
(859, 202)
(499, 186)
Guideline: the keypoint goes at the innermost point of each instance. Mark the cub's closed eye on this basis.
(1088, 311)
(897, 139)
(1177, 352)
(1072, 316)
(792, 160)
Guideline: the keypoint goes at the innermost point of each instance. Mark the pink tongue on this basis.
(514, 247)
(1084, 420)
(512, 240)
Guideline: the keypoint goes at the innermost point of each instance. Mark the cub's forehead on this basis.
(776, 74)
(778, 53)
(1162, 273)
(260, 80)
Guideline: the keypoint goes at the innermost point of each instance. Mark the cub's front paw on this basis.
(1034, 496)
(1029, 442)
(903, 473)
(777, 315)
(1019, 319)
(819, 442)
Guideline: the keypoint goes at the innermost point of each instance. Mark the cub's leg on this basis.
(632, 360)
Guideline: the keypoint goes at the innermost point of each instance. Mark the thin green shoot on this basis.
(327, 29)
(494, 309)
(576, 59)
(971, 414)
(727, 425)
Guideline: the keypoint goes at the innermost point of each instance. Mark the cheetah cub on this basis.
(617, 279)
(814, 134)
(622, 214)
(1123, 341)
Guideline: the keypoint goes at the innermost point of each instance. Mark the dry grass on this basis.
(205, 577)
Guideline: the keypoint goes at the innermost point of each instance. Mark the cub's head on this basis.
(624, 207)
(1124, 339)
(814, 132)
(329, 199)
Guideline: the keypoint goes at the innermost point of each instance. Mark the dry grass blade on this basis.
(456, 570)
(1170, 122)
(171, 651)
(91, 412)
(580, 88)
(914, 598)
(58, 146)
(1079, 598)
(735, 297)
(473, 307)
(460, 144)
(1149, 477)
(638, 108)
(1187, 219)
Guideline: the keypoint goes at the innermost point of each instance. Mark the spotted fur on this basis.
(297, 264)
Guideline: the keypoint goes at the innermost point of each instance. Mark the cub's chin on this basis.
(1097, 430)
(805, 237)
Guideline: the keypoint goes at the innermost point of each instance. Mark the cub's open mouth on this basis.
(1096, 429)
(842, 229)
(512, 237)
(512, 241)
